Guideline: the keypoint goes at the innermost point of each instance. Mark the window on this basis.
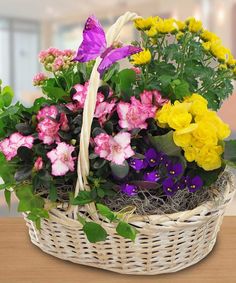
(19, 46)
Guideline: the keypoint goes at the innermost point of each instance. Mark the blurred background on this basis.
(28, 26)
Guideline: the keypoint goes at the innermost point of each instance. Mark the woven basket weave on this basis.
(165, 243)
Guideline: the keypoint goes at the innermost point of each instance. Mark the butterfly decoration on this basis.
(94, 44)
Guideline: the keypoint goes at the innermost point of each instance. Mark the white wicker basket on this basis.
(165, 243)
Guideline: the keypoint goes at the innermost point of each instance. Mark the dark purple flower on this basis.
(194, 184)
(129, 190)
(153, 157)
(174, 170)
(181, 184)
(151, 176)
(138, 164)
(169, 187)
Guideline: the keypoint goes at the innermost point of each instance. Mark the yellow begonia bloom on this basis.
(194, 25)
(209, 36)
(206, 45)
(205, 134)
(190, 153)
(209, 157)
(182, 140)
(179, 117)
(199, 104)
(163, 114)
(141, 58)
(144, 24)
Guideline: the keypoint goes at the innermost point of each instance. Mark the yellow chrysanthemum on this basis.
(179, 35)
(206, 45)
(141, 58)
(151, 32)
(206, 35)
(166, 26)
(194, 25)
(181, 25)
(220, 52)
(231, 61)
(145, 24)
(209, 157)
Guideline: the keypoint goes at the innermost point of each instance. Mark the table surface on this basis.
(22, 262)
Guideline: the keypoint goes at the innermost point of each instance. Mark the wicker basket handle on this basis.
(89, 108)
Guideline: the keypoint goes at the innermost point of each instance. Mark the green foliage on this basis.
(230, 153)
(83, 198)
(126, 230)
(6, 96)
(106, 212)
(53, 91)
(120, 171)
(94, 232)
(165, 144)
(125, 80)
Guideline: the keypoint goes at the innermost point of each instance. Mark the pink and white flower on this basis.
(103, 111)
(115, 149)
(61, 159)
(81, 93)
(38, 164)
(47, 112)
(134, 115)
(153, 97)
(64, 122)
(9, 146)
(48, 131)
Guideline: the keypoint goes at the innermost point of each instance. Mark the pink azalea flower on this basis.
(64, 122)
(47, 112)
(48, 131)
(153, 97)
(61, 159)
(81, 93)
(134, 115)
(38, 165)
(115, 149)
(103, 111)
(74, 107)
(9, 146)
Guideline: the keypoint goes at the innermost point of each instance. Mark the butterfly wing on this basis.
(116, 55)
(94, 41)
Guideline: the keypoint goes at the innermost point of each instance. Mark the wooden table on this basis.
(21, 262)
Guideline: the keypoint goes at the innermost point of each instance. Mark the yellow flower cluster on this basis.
(211, 42)
(194, 25)
(141, 58)
(155, 25)
(198, 130)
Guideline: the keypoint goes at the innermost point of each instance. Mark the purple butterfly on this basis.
(94, 44)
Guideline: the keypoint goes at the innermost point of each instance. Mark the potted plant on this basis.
(124, 169)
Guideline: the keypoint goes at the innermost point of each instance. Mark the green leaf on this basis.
(180, 89)
(230, 151)
(7, 195)
(6, 96)
(94, 232)
(23, 173)
(52, 91)
(106, 212)
(165, 143)
(83, 198)
(120, 171)
(25, 154)
(126, 230)
(111, 72)
(126, 79)
(53, 193)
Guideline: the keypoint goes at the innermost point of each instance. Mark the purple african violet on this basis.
(151, 176)
(129, 190)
